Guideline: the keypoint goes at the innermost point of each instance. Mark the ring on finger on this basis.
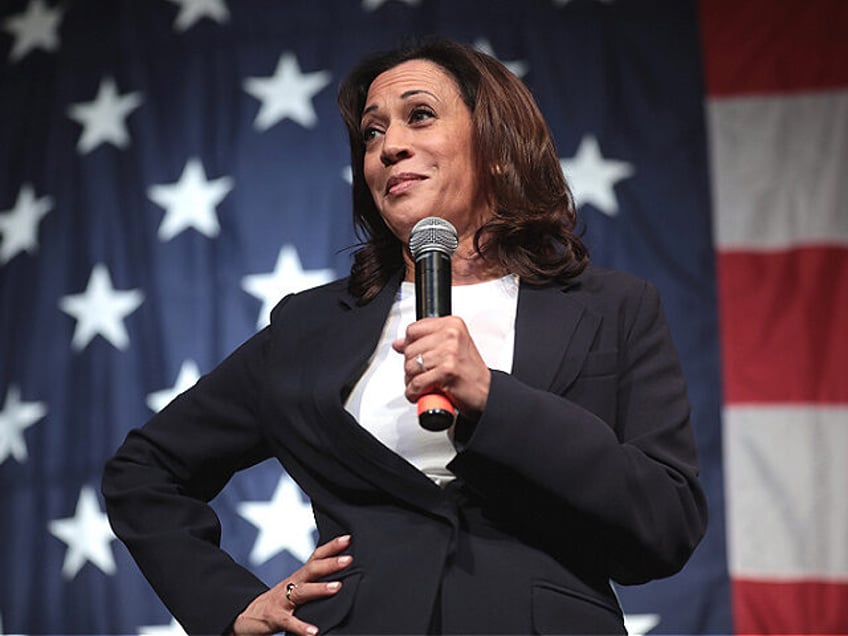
(289, 589)
(420, 360)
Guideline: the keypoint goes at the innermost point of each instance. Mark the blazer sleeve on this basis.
(632, 481)
(158, 484)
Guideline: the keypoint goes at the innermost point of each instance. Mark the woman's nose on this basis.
(395, 146)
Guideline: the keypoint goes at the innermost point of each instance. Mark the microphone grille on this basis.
(433, 234)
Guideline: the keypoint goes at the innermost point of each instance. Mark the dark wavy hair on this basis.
(533, 230)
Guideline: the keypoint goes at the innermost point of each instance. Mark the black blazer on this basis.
(581, 469)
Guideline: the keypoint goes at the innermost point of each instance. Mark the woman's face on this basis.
(419, 159)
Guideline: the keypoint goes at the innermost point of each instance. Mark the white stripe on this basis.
(779, 169)
(786, 483)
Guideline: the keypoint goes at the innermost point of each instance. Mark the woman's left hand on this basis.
(440, 354)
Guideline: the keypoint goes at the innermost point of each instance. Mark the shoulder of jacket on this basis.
(599, 280)
(314, 299)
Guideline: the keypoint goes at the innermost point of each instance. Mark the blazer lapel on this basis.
(344, 355)
(553, 334)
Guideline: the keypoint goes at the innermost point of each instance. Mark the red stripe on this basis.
(784, 324)
(808, 607)
(774, 46)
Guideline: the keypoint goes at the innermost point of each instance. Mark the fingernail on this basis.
(344, 538)
(333, 586)
(345, 560)
(312, 630)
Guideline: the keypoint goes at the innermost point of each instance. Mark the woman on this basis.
(571, 461)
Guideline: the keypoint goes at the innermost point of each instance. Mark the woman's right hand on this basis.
(273, 611)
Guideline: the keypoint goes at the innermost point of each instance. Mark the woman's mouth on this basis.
(402, 182)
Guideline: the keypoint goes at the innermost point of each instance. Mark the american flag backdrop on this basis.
(169, 169)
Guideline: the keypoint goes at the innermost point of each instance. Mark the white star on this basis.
(87, 534)
(101, 309)
(103, 119)
(171, 629)
(518, 67)
(186, 378)
(640, 624)
(285, 523)
(190, 202)
(288, 277)
(192, 11)
(37, 27)
(287, 93)
(591, 177)
(373, 5)
(15, 417)
(19, 226)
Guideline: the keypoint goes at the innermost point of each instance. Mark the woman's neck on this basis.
(467, 267)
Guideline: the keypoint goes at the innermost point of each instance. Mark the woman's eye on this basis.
(369, 133)
(421, 114)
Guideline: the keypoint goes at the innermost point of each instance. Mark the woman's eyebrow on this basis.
(404, 95)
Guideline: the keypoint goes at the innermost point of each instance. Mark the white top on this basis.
(377, 401)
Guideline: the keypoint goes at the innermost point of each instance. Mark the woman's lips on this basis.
(401, 182)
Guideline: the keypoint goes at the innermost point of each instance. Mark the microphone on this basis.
(432, 243)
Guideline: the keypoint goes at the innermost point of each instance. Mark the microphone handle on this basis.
(432, 285)
(432, 300)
